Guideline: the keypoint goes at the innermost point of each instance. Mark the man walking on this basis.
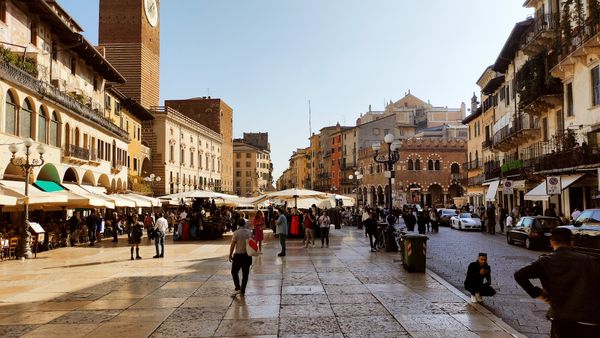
(160, 227)
(281, 230)
(92, 224)
(491, 218)
(239, 258)
(479, 278)
(569, 284)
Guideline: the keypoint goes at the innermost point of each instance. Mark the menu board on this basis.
(37, 228)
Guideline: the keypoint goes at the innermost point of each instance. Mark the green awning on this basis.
(48, 186)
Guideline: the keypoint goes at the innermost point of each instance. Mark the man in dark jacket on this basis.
(371, 228)
(570, 283)
(92, 225)
(479, 278)
(491, 218)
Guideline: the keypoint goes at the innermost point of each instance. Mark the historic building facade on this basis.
(186, 154)
(56, 98)
(252, 166)
(217, 115)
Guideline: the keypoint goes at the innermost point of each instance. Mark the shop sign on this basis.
(508, 187)
(553, 185)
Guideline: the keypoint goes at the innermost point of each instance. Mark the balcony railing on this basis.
(564, 150)
(487, 144)
(491, 169)
(475, 164)
(545, 30)
(13, 74)
(458, 176)
(475, 181)
(77, 152)
(522, 126)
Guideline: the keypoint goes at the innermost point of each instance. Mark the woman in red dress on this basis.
(258, 224)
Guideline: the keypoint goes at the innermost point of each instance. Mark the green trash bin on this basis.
(414, 252)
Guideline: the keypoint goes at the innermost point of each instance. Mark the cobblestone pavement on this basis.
(340, 291)
(449, 253)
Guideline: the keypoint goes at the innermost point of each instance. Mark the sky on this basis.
(268, 58)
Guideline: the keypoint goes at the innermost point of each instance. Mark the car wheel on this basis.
(508, 240)
(528, 244)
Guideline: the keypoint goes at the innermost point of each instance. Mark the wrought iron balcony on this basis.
(15, 75)
(487, 144)
(475, 181)
(523, 128)
(562, 151)
(475, 164)
(491, 169)
(76, 154)
(545, 31)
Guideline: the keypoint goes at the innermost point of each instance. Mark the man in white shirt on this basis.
(240, 259)
(160, 227)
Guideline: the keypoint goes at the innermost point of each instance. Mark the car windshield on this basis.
(547, 223)
(468, 215)
(589, 216)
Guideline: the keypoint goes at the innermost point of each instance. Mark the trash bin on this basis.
(414, 252)
(390, 240)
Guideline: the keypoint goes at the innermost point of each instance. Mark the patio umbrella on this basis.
(293, 194)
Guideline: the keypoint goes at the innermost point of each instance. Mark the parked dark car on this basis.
(445, 215)
(532, 231)
(586, 231)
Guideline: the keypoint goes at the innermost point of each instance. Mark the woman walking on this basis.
(309, 224)
(324, 224)
(135, 236)
(258, 224)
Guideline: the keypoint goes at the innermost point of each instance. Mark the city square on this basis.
(369, 169)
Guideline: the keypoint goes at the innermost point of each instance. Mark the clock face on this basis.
(151, 9)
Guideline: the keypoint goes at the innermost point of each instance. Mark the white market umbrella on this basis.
(295, 195)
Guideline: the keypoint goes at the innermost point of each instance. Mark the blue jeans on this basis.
(160, 240)
(282, 242)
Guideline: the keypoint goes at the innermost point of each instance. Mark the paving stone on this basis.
(86, 317)
(361, 309)
(308, 325)
(196, 328)
(13, 331)
(61, 330)
(310, 310)
(304, 299)
(249, 327)
(194, 313)
(358, 325)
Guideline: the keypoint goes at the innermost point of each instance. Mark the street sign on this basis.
(553, 185)
(508, 187)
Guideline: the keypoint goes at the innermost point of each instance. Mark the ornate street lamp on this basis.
(27, 164)
(357, 176)
(388, 160)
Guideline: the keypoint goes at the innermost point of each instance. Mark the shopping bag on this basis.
(252, 247)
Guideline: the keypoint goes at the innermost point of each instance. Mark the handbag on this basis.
(152, 234)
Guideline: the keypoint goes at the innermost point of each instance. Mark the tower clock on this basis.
(129, 33)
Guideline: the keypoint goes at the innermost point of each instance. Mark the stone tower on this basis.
(129, 33)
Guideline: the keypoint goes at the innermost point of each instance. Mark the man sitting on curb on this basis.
(479, 278)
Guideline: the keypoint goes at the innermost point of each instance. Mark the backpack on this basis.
(252, 247)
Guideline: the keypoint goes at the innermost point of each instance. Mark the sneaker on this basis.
(473, 299)
(478, 298)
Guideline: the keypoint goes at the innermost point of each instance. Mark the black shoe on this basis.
(138, 257)
(281, 254)
(161, 256)
(156, 256)
(131, 257)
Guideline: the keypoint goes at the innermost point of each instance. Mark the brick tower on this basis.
(129, 32)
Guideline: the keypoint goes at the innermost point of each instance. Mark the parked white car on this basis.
(465, 221)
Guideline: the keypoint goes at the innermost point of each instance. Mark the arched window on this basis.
(455, 168)
(411, 165)
(25, 115)
(42, 130)
(418, 164)
(54, 137)
(430, 165)
(10, 119)
(437, 165)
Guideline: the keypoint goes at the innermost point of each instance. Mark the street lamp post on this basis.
(357, 176)
(27, 164)
(388, 160)
(152, 179)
